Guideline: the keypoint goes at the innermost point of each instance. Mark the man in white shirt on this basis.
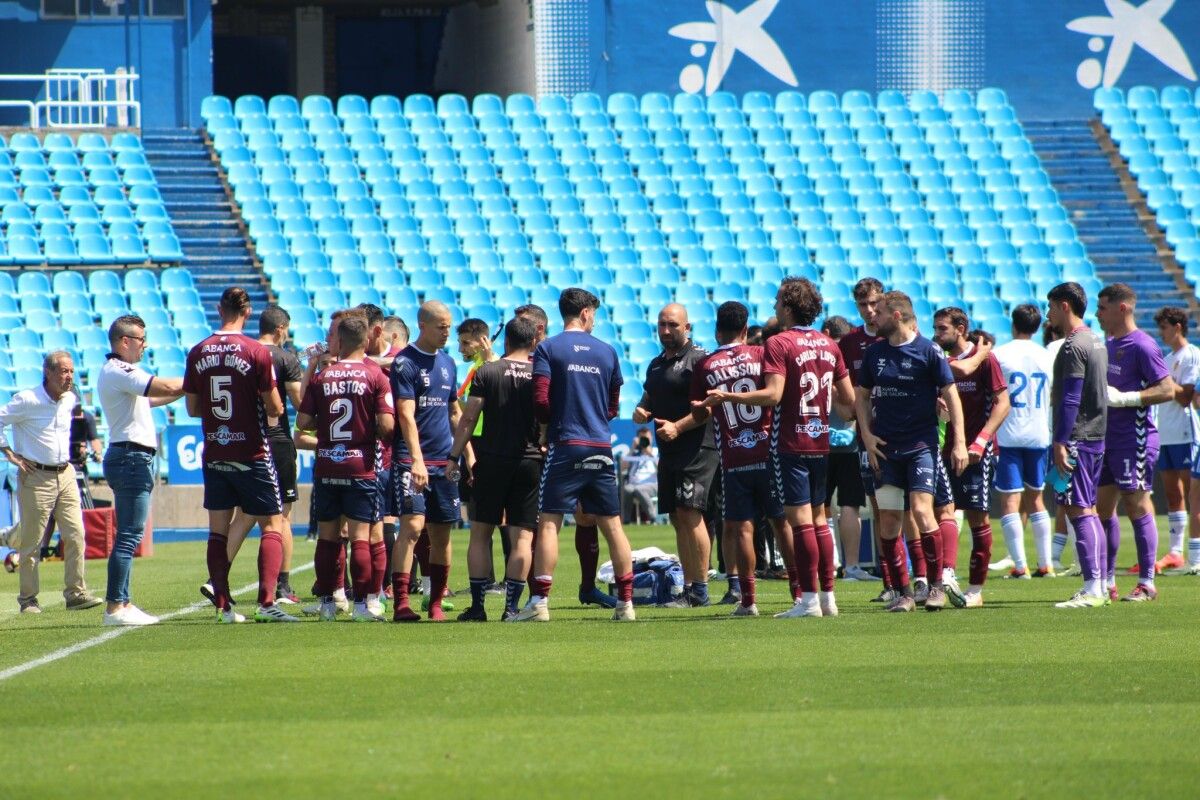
(40, 449)
(1024, 439)
(127, 392)
(641, 477)
(1177, 433)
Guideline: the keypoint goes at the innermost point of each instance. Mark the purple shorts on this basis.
(1085, 478)
(1130, 468)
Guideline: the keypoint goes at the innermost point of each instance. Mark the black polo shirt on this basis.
(667, 396)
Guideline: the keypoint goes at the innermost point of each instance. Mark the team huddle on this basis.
(938, 423)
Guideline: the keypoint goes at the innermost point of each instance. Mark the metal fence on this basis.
(79, 98)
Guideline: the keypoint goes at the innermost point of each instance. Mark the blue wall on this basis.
(173, 56)
(1023, 46)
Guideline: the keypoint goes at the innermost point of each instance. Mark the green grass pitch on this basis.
(1013, 700)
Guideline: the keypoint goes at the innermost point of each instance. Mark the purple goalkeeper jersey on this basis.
(1134, 362)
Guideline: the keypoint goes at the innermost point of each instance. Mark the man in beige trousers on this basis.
(40, 448)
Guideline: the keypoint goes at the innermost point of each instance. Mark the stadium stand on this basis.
(490, 204)
(84, 201)
(1159, 137)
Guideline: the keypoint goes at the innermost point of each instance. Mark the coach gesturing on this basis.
(687, 465)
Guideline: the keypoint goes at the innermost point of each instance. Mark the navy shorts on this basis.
(748, 492)
(1176, 457)
(438, 503)
(579, 474)
(1020, 468)
(354, 498)
(1130, 468)
(800, 479)
(383, 483)
(972, 490)
(913, 472)
(943, 489)
(251, 486)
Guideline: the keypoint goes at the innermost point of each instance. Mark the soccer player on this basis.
(1079, 402)
(687, 465)
(983, 395)
(1178, 431)
(229, 381)
(899, 383)
(273, 325)
(1024, 440)
(1138, 378)
(587, 535)
(423, 386)
(743, 437)
(507, 468)
(577, 390)
(349, 404)
(803, 371)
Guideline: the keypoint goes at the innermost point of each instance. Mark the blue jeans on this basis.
(130, 473)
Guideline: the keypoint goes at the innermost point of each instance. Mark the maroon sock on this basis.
(421, 553)
(439, 576)
(218, 569)
(339, 581)
(949, 532)
(361, 569)
(400, 589)
(916, 555)
(587, 545)
(891, 552)
(746, 583)
(540, 587)
(270, 559)
(931, 544)
(379, 566)
(826, 561)
(325, 565)
(804, 544)
(981, 553)
(624, 587)
(794, 581)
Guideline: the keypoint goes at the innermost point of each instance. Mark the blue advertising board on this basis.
(185, 448)
(1048, 56)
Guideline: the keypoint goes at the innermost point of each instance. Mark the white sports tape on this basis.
(889, 498)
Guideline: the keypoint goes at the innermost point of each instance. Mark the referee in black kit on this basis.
(687, 466)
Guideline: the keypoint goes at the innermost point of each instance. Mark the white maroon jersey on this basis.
(1027, 368)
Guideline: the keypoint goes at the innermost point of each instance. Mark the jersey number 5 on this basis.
(222, 398)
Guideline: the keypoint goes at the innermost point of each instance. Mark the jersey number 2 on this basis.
(342, 411)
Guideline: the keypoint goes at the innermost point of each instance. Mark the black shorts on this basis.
(845, 478)
(688, 485)
(506, 492)
(283, 452)
(249, 485)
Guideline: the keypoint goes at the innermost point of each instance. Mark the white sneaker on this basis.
(973, 600)
(273, 613)
(538, 612)
(341, 601)
(1081, 600)
(1002, 565)
(363, 613)
(622, 613)
(828, 604)
(127, 616)
(230, 617)
(744, 611)
(1190, 569)
(920, 591)
(857, 573)
(954, 592)
(375, 605)
(802, 608)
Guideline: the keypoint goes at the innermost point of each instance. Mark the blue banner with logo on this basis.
(185, 448)
(1048, 56)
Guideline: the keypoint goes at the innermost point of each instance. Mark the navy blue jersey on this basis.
(905, 382)
(584, 374)
(429, 379)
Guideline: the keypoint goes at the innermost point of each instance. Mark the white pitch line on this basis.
(108, 636)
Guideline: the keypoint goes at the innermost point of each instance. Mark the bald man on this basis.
(687, 465)
(424, 382)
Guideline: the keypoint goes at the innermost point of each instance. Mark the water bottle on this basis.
(314, 351)
(1059, 481)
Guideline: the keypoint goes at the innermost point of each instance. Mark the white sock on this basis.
(1177, 522)
(1014, 537)
(974, 588)
(426, 585)
(339, 594)
(1094, 587)
(1193, 552)
(809, 598)
(1059, 543)
(1040, 522)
